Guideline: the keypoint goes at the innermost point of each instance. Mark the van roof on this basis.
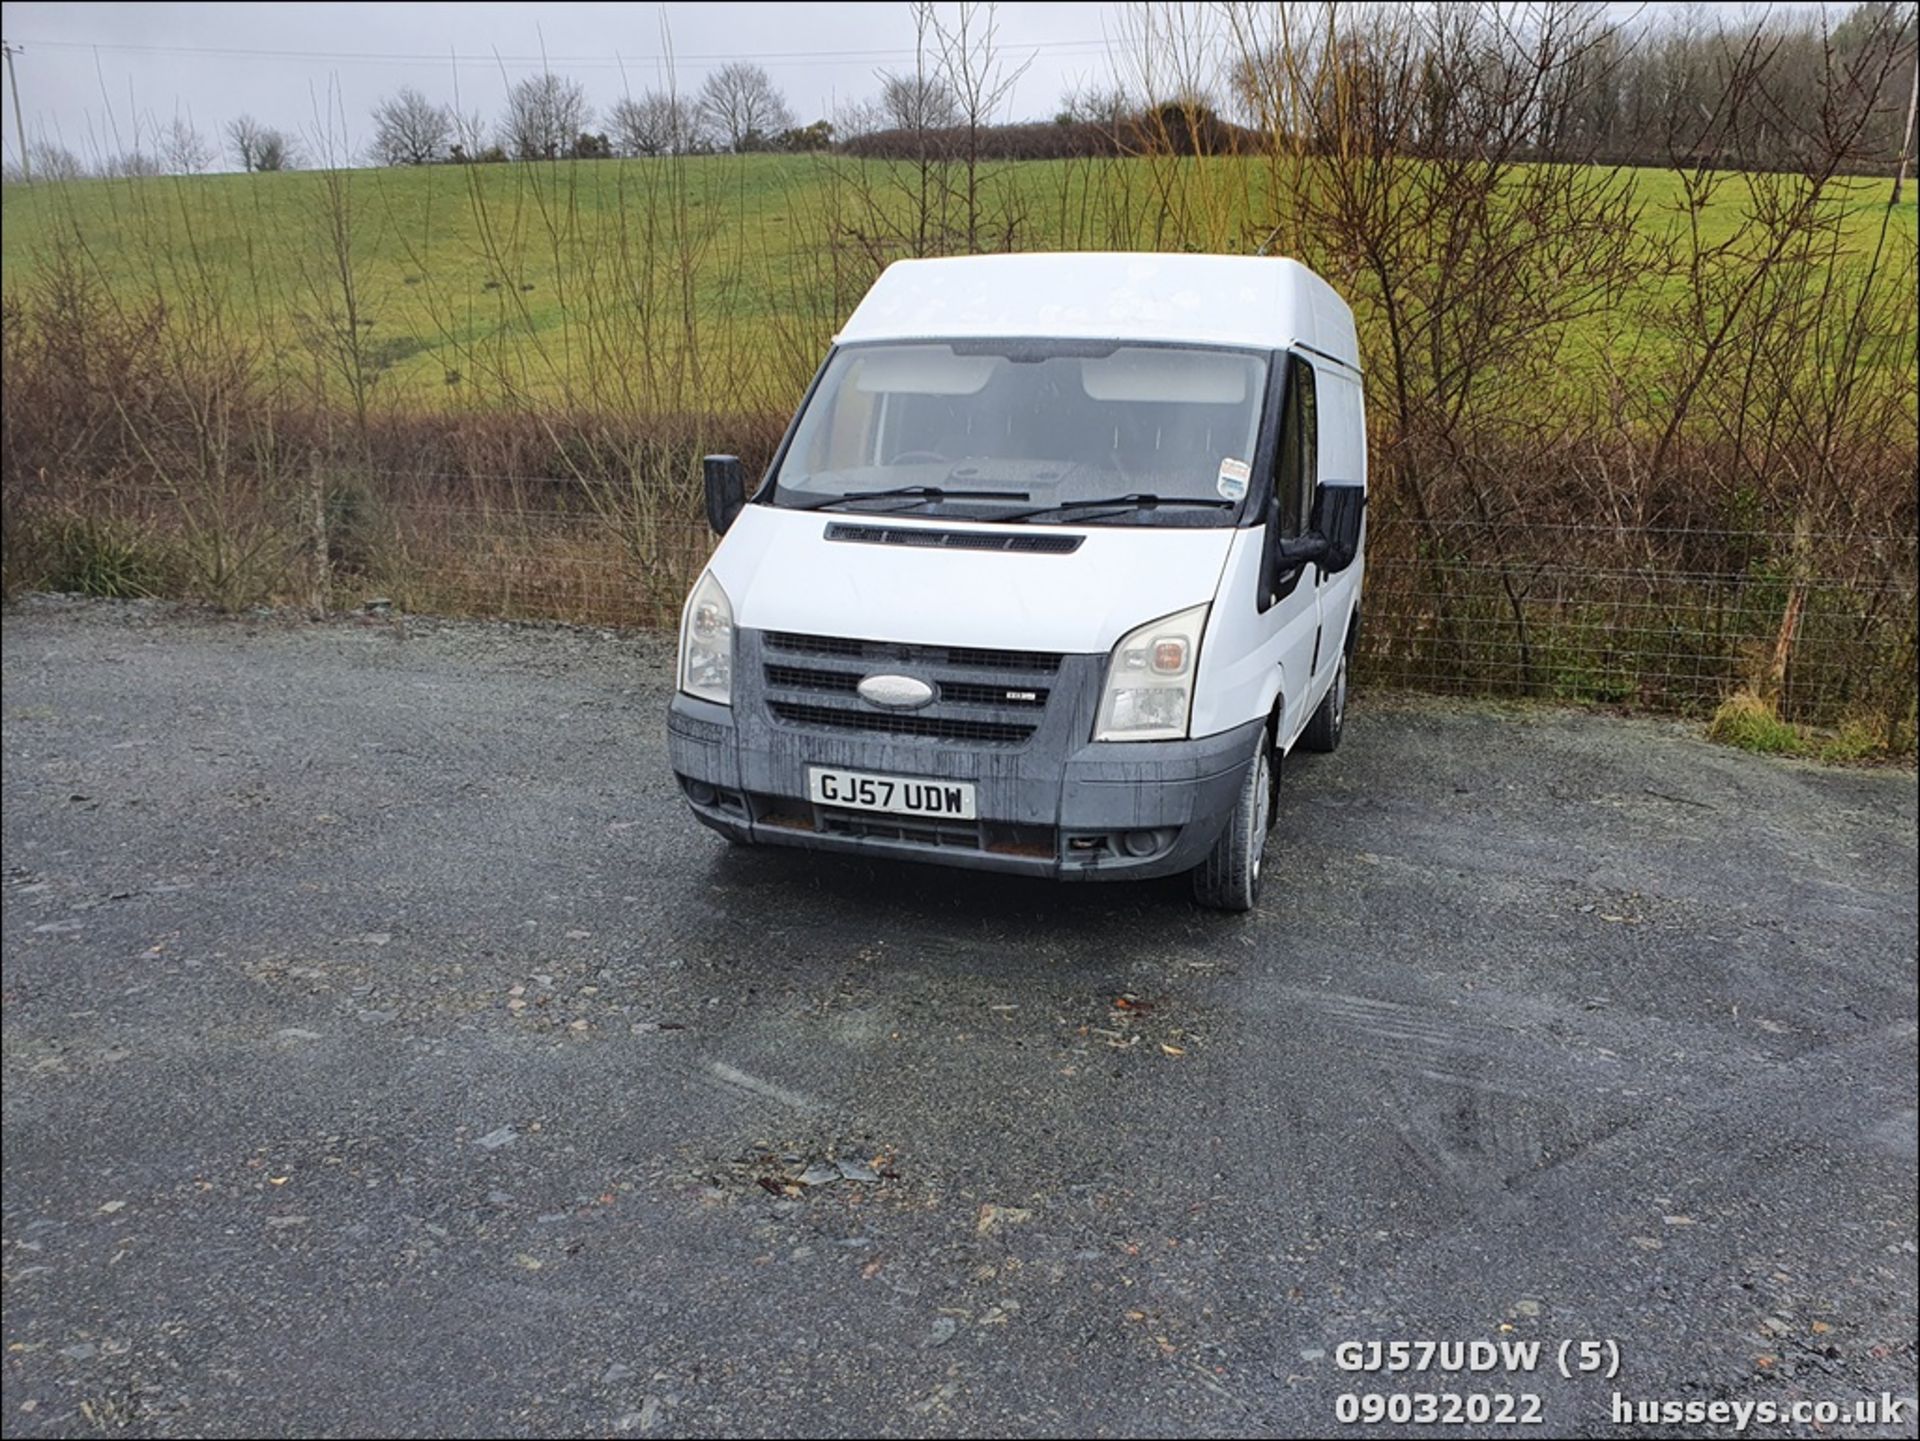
(1241, 300)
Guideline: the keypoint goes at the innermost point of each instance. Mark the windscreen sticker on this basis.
(1233, 478)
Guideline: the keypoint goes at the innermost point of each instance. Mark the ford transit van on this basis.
(1059, 560)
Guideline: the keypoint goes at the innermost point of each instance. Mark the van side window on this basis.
(1299, 468)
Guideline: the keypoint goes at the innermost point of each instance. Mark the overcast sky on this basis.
(86, 71)
(89, 73)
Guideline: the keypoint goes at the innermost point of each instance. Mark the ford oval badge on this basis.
(896, 692)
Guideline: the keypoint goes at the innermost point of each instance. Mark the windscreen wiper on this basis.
(1139, 500)
(913, 492)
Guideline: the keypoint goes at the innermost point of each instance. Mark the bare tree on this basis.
(276, 150)
(262, 147)
(56, 162)
(1646, 90)
(409, 129)
(1406, 142)
(545, 114)
(655, 124)
(741, 109)
(856, 118)
(1103, 105)
(130, 165)
(918, 102)
(972, 69)
(877, 213)
(243, 135)
(471, 135)
(183, 149)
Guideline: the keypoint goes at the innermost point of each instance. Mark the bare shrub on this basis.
(170, 418)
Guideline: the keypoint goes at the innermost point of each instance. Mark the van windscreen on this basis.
(1030, 430)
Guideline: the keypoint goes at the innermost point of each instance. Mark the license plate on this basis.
(897, 795)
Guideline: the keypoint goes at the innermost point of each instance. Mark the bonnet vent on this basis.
(1033, 542)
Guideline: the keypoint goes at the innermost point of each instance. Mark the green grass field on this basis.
(469, 282)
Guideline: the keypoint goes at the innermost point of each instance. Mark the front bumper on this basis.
(1079, 811)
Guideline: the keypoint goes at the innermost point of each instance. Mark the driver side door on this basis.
(1289, 598)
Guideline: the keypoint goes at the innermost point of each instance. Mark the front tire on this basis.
(1229, 878)
(1323, 731)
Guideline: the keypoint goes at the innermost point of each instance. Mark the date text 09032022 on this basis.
(1439, 1408)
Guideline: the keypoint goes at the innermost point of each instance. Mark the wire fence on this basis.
(1660, 618)
(1663, 618)
(1831, 648)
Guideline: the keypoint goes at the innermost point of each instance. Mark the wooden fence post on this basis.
(319, 569)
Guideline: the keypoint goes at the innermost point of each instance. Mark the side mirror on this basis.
(726, 490)
(1300, 550)
(1338, 513)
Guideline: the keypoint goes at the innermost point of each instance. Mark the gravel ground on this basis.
(385, 1051)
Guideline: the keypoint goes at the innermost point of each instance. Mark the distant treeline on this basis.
(1233, 79)
(1176, 128)
(1657, 94)
(1664, 92)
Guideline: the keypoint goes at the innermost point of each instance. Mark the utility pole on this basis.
(1906, 140)
(20, 126)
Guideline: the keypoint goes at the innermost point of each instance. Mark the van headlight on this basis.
(706, 643)
(1149, 694)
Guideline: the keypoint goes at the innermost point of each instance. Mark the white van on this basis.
(1059, 559)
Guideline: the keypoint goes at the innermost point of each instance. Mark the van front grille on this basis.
(993, 733)
(794, 677)
(981, 696)
(1023, 697)
(887, 652)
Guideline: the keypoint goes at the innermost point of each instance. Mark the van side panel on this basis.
(1239, 677)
